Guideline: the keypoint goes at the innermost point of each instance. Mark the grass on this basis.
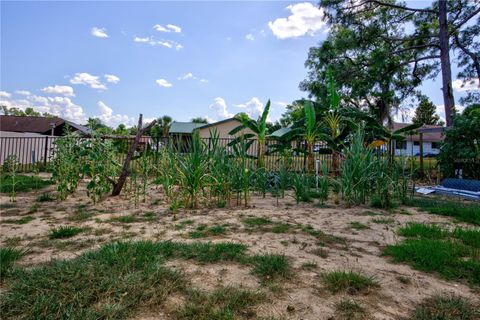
(267, 225)
(202, 231)
(63, 232)
(8, 256)
(349, 310)
(358, 225)
(223, 303)
(130, 275)
(182, 224)
(452, 254)
(349, 281)
(33, 208)
(23, 183)
(80, 214)
(45, 197)
(270, 266)
(465, 212)
(446, 307)
(384, 221)
(22, 220)
(324, 239)
(256, 221)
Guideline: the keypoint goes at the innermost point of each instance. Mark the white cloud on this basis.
(253, 108)
(5, 94)
(108, 117)
(88, 80)
(163, 83)
(220, 107)
(62, 107)
(250, 37)
(23, 92)
(99, 32)
(305, 18)
(111, 78)
(190, 76)
(167, 28)
(63, 90)
(154, 42)
(470, 84)
(186, 76)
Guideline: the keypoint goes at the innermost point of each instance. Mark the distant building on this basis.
(432, 138)
(35, 137)
(26, 126)
(222, 128)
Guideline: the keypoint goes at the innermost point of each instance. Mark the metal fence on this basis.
(39, 151)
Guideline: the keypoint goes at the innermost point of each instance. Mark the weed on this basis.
(22, 220)
(415, 229)
(404, 280)
(33, 208)
(125, 219)
(347, 309)
(45, 197)
(446, 307)
(349, 281)
(81, 214)
(256, 222)
(358, 225)
(309, 265)
(384, 221)
(64, 232)
(182, 224)
(280, 228)
(23, 183)
(13, 241)
(322, 253)
(8, 256)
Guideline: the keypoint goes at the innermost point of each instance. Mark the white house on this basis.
(432, 137)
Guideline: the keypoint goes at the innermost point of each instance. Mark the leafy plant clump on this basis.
(23, 183)
(64, 232)
(349, 281)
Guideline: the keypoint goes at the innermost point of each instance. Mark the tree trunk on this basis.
(448, 98)
(117, 188)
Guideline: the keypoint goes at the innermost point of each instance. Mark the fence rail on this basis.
(39, 151)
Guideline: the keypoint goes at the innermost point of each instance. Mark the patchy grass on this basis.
(324, 239)
(33, 208)
(309, 265)
(132, 275)
(446, 307)
(453, 254)
(358, 225)
(22, 220)
(45, 197)
(182, 224)
(23, 183)
(388, 221)
(63, 232)
(256, 221)
(347, 309)
(80, 214)
(223, 303)
(349, 281)
(202, 231)
(8, 256)
(465, 212)
(270, 266)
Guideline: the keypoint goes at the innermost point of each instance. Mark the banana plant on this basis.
(259, 128)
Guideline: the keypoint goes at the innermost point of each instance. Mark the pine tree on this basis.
(425, 113)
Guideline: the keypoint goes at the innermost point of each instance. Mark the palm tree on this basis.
(259, 127)
(165, 123)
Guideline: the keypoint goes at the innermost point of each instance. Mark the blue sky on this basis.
(113, 60)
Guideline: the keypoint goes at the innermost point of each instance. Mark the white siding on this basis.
(413, 150)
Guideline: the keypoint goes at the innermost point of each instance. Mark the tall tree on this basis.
(425, 113)
(438, 28)
(199, 120)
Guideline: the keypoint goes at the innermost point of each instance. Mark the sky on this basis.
(114, 60)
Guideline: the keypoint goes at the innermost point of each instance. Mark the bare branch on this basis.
(419, 59)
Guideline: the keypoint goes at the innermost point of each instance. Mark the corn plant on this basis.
(323, 184)
(301, 188)
(242, 175)
(10, 166)
(220, 168)
(193, 171)
(67, 171)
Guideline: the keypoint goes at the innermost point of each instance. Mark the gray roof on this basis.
(280, 132)
(184, 127)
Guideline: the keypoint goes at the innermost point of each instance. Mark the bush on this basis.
(460, 148)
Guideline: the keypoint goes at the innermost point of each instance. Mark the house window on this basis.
(435, 145)
(416, 143)
(401, 145)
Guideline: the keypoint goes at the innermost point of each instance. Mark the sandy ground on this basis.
(305, 296)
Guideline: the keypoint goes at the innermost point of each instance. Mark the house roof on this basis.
(184, 127)
(217, 123)
(41, 125)
(430, 132)
(280, 132)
